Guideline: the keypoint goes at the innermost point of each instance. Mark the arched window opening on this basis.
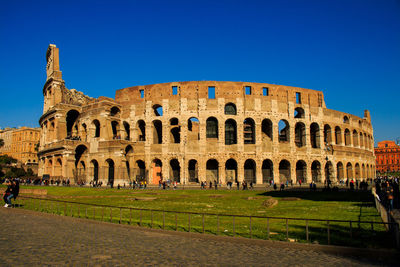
(249, 132)
(301, 171)
(212, 171)
(267, 170)
(299, 113)
(340, 172)
(114, 111)
(193, 171)
(127, 129)
(96, 124)
(230, 109)
(346, 119)
(84, 132)
(347, 138)
(250, 171)
(327, 134)
(316, 171)
(231, 170)
(300, 134)
(141, 125)
(79, 153)
(230, 132)
(284, 171)
(266, 130)
(284, 131)
(157, 132)
(355, 138)
(212, 128)
(158, 110)
(175, 171)
(338, 135)
(115, 130)
(314, 135)
(361, 140)
(175, 131)
(193, 129)
(71, 118)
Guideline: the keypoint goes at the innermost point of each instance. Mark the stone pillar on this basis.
(275, 172)
(259, 177)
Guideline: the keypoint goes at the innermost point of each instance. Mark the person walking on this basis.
(8, 195)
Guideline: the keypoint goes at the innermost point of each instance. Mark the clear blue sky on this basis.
(348, 49)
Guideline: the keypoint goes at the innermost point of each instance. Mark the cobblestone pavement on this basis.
(39, 239)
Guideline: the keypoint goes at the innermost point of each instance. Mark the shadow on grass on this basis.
(348, 196)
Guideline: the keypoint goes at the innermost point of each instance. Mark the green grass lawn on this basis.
(354, 206)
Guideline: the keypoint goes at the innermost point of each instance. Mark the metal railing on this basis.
(336, 232)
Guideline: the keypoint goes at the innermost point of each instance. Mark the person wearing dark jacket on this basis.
(8, 195)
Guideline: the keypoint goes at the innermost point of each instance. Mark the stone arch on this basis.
(250, 171)
(193, 169)
(175, 170)
(300, 134)
(158, 110)
(347, 137)
(267, 170)
(327, 134)
(212, 128)
(58, 168)
(284, 171)
(140, 171)
(175, 131)
(115, 130)
(355, 138)
(363, 174)
(230, 132)
(284, 131)
(249, 132)
(115, 111)
(71, 118)
(111, 171)
(349, 171)
(96, 125)
(230, 109)
(193, 129)
(157, 132)
(361, 140)
(299, 113)
(266, 130)
(157, 171)
(80, 153)
(340, 171)
(231, 170)
(301, 171)
(141, 127)
(346, 120)
(314, 135)
(338, 135)
(329, 172)
(95, 170)
(212, 170)
(357, 172)
(316, 171)
(127, 129)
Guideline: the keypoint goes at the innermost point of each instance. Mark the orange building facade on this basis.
(387, 157)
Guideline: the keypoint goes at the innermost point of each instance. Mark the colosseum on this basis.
(199, 131)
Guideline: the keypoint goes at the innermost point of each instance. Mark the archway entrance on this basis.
(111, 172)
(231, 170)
(250, 171)
(329, 173)
(175, 171)
(157, 171)
(301, 171)
(284, 171)
(193, 171)
(316, 171)
(267, 171)
(212, 170)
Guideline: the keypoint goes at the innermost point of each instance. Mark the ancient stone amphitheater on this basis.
(199, 131)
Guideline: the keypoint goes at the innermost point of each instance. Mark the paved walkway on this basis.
(39, 239)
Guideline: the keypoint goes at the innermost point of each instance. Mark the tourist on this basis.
(8, 194)
(215, 185)
(237, 185)
(275, 187)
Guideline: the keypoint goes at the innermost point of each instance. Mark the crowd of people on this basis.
(387, 190)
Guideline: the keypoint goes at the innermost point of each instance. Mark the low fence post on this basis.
(251, 235)
(329, 237)
(233, 224)
(218, 224)
(287, 229)
(189, 222)
(151, 226)
(267, 228)
(120, 215)
(307, 230)
(203, 223)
